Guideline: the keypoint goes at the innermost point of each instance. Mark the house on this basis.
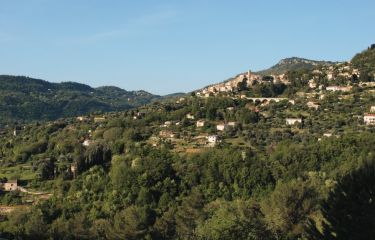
(212, 140)
(292, 121)
(86, 143)
(221, 127)
(180, 100)
(314, 105)
(372, 109)
(15, 132)
(99, 119)
(10, 185)
(339, 88)
(312, 84)
(190, 116)
(167, 134)
(330, 76)
(167, 123)
(232, 124)
(81, 118)
(200, 123)
(369, 119)
(140, 114)
(73, 169)
(327, 134)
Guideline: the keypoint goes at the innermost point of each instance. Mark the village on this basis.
(218, 116)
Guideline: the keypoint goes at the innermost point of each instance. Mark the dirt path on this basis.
(24, 190)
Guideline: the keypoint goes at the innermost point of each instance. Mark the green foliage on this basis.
(291, 64)
(27, 99)
(233, 220)
(365, 62)
(349, 210)
(288, 207)
(120, 179)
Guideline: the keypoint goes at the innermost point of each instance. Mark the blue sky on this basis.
(171, 46)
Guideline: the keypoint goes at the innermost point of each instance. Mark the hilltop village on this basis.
(263, 147)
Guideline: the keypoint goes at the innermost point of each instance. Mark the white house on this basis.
(87, 143)
(167, 123)
(339, 88)
(81, 118)
(232, 124)
(15, 132)
(329, 75)
(312, 83)
(212, 138)
(200, 123)
(190, 116)
(372, 109)
(314, 105)
(292, 121)
(221, 127)
(167, 134)
(10, 185)
(99, 119)
(369, 118)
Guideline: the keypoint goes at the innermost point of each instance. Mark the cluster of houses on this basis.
(344, 70)
(96, 119)
(248, 78)
(331, 72)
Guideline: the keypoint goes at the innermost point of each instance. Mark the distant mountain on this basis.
(175, 95)
(292, 63)
(26, 99)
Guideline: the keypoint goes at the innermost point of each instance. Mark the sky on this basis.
(173, 46)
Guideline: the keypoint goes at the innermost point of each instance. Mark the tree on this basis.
(132, 223)
(349, 210)
(242, 86)
(234, 220)
(188, 215)
(288, 208)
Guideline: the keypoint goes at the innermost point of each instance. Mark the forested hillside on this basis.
(365, 61)
(292, 64)
(275, 160)
(25, 99)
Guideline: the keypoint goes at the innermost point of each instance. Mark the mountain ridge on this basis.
(292, 63)
(27, 99)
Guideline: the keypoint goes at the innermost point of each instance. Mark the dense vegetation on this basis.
(146, 174)
(292, 64)
(270, 186)
(25, 99)
(365, 61)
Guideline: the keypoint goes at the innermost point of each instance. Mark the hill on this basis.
(293, 63)
(26, 99)
(195, 168)
(365, 62)
(277, 160)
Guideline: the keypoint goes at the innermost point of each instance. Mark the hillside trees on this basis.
(349, 210)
